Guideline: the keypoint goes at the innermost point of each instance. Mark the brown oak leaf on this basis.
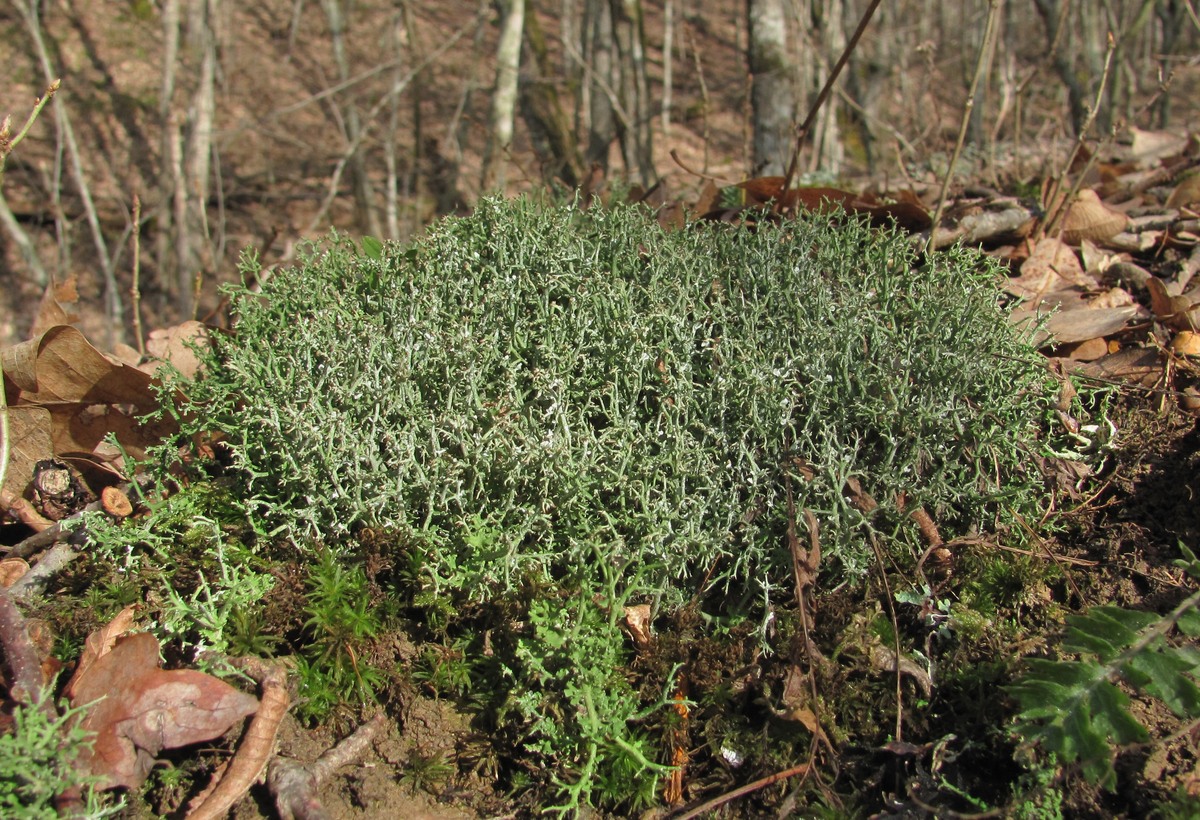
(138, 709)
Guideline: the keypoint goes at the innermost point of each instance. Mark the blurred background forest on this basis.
(228, 126)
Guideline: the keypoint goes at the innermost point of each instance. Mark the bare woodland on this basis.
(203, 128)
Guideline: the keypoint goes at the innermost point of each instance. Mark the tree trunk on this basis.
(598, 67)
(504, 99)
(549, 126)
(637, 145)
(772, 93)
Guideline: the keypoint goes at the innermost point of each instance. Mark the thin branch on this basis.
(742, 791)
(985, 50)
(802, 131)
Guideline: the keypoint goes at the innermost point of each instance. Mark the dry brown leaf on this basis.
(1081, 325)
(1051, 266)
(1149, 146)
(1133, 364)
(1186, 193)
(99, 644)
(51, 311)
(176, 346)
(1112, 298)
(1180, 312)
(125, 354)
(30, 441)
(1089, 218)
(1086, 351)
(61, 366)
(637, 620)
(1186, 343)
(139, 709)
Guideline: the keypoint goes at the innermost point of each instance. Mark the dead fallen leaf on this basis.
(99, 644)
(1112, 298)
(1149, 146)
(1133, 364)
(1186, 193)
(1081, 325)
(138, 709)
(30, 441)
(637, 619)
(1089, 218)
(177, 346)
(1051, 266)
(1186, 343)
(51, 311)
(1086, 351)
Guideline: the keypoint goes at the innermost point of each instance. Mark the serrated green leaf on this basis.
(1189, 623)
(1110, 715)
(1082, 741)
(1162, 674)
(1105, 630)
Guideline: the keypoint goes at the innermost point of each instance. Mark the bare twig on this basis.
(22, 658)
(38, 578)
(257, 746)
(742, 791)
(802, 131)
(135, 290)
(7, 143)
(985, 51)
(295, 786)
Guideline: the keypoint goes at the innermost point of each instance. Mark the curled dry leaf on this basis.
(637, 619)
(66, 397)
(99, 644)
(1051, 266)
(51, 311)
(138, 709)
(1186, 193)
(1089, 218)
(177, 346)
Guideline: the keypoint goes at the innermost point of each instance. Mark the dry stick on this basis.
(985, 50)
(887, 590)
(7, 145)
(802, 132)
(24, 665)
(135, 291)
(1053, 226)
(294, 786)
(257, 746)
(744, 790)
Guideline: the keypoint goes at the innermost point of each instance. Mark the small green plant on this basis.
(37, 764)
(342, 620)
(445, 670)
(1076, 709)
(426, 772)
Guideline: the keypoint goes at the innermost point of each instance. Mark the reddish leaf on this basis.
(140, 709)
